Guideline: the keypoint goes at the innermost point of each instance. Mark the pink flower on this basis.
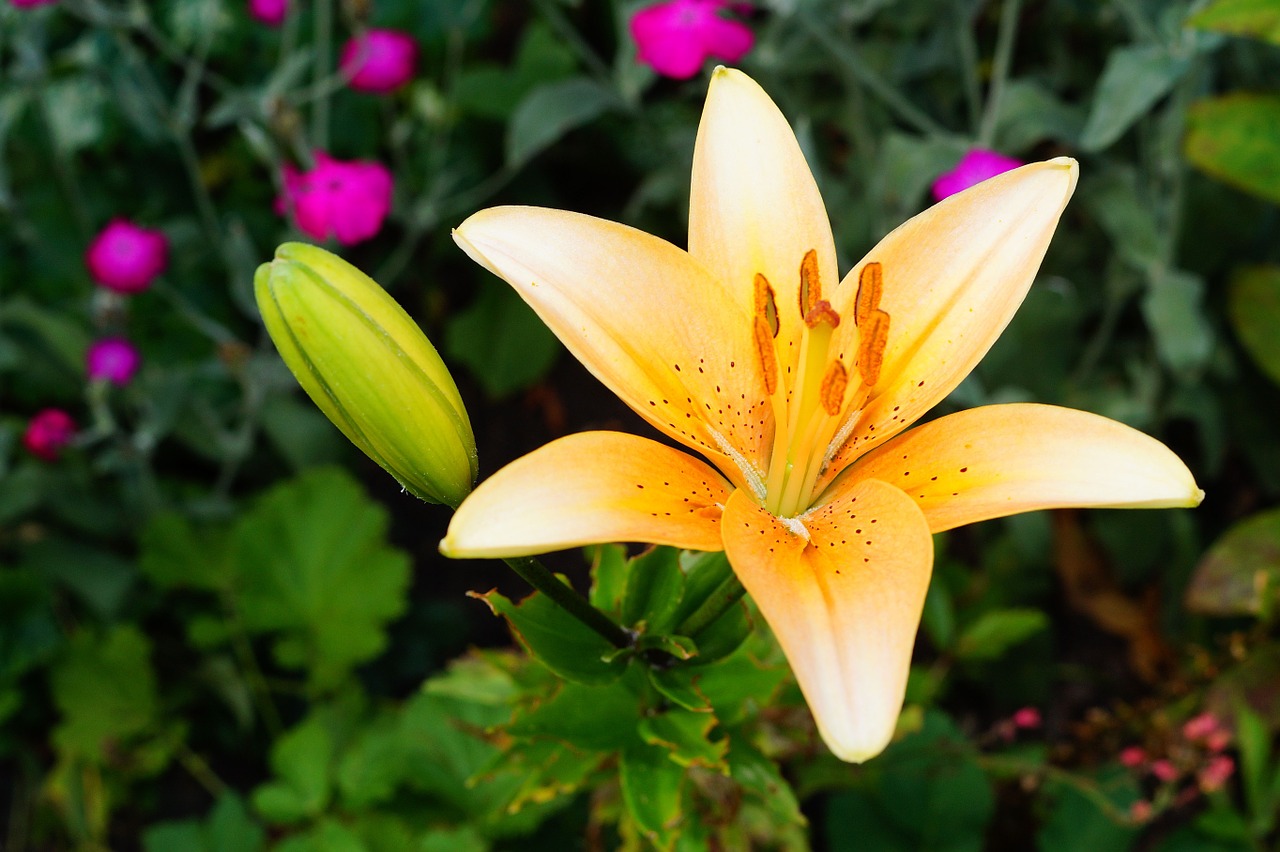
(347, 200)
(48, 432)
(1200, 727)
(1027, 717)
(23, 4)
(126, 258)
(1140, 811)
(1133, 756)
(1215, 775)
(1218, 740)
(1164, 770)
(269, 12)
(379, 61)
(676, 37)
(975, 167)
(112, 359)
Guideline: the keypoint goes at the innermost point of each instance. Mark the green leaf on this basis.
(609, 566)
(760, 776)
(501, 340)
(1174, 310)
(105, 690)
(228, 828)
(939, 618)
(301, 760)
(558, 640)
(1258, 19)
(176, 554)
(677, 684)
(655, 585)
(1240, 573)
(685, 736)
(73, 107)
(1135, 77)
(996, 632)
(551, 110)
(1254, 740)
(1030, 114)
(312, 563)
(1253, 305)
(1233, 138)
(739, 683)
(547, 770)
(373, 766)
(1077, 821)
(651, 791)
(597, 718)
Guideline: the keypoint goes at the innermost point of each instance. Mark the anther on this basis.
(870, 285)
(768, 357)
(873, 337)
(810, 285)
(832, 391)
(766, 306)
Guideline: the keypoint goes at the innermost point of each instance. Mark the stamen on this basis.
(870, 286)
(833, 385)
(821, 312)
(810, 285)
(766, 306)
(873, 337)
(796, 526)
(768, 355)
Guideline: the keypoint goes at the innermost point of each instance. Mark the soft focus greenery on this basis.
(222, 628)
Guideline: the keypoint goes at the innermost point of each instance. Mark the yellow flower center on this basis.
(815, 407)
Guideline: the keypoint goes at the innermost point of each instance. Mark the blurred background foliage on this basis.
(223, 629)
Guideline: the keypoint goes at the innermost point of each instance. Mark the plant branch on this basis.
(540, 577)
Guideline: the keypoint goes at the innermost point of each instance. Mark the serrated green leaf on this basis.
(996, 632)
(105, 690)
(373, 765)
(501, 340)
(651, 791)
(313, 565)
(1240, 573)
(685, 736)
(1253, 305)
(547, 770)
(594, 718)
(677, 684)
(655, 585)
(301, 760)
(1135, 77)
(551, 110)
(558, 640)
(1233, 138)
(1258, 19)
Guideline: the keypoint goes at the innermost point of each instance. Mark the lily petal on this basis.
(754, 205)
(642, 316)
(590, 488)
(953, 278)
(845, 604)
(1003, 459)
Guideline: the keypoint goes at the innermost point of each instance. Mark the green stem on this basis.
(1005, 39)
(726, 595)
(320, 109)
(847, 56)
(537, 575)
(968, 48)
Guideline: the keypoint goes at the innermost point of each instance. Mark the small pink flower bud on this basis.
(1140, 811)
(1027, 717)
(1218, 740)
(975, 167)
(675, 38)
(1200, 727)
(1133, 756)
(25, 4)
(1164, 770)
(112, 359)
(1216, 774)
(270, 12)
(345, 200)
(379, 61)
(126, 258)
(48, 432)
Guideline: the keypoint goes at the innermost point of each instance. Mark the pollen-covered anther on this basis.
(873, 337)
(810, 283)
(870, 286)
(768, 356)
(766, 305)
(834, 383)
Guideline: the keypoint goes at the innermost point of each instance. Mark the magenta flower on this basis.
(379, 61)
(1027, 717)
(112, 359)
(126, 258)
(975, 167)
(269, 12)
(676, 37)
(23, 4)
(48, 432)
(346, 200)
(1133, 756)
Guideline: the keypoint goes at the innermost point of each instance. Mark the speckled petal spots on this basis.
(1003, 459)
(589, 488)
(844, 603)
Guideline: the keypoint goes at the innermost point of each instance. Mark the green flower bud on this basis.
(370, 368)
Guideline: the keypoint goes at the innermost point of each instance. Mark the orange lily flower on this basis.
(797, 387)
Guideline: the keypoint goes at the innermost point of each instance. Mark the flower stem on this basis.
(1005, 38)
(540, 577)
(728, 593)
